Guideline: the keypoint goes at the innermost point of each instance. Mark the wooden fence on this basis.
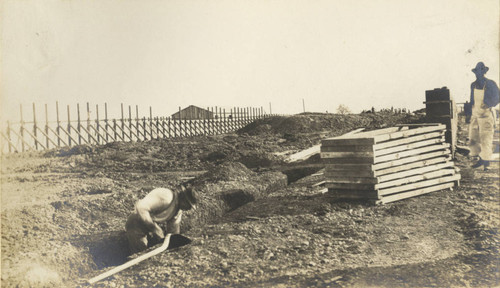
(32, 135)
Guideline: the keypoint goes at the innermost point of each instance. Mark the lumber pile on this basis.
(389, 164)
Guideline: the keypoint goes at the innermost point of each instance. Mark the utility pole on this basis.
(303, 105)
(270, 109)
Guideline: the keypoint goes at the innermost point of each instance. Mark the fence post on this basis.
(235, 118)
(206, 114)
(58, 128)
(106, 121)
(79, 124)
(122, 124)
(180, 123)
(69, 128)
(34, 127)
(88, 123)
(46, 127)
(212, 124)
(137, 121)
(130, 122)
(8, 136)
(151, 123)
(225, 121)
(97, 124)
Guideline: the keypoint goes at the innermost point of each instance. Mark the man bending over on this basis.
(161, 205)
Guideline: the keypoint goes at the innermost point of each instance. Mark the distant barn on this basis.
(193, 112)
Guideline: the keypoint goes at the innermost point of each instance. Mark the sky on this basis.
(227, 53)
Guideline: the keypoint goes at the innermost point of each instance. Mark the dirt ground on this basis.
(63, 214)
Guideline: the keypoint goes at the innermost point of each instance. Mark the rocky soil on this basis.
(63, 214)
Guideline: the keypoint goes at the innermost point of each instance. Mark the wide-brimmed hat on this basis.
(480, 67)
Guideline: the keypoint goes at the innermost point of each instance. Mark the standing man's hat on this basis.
(480, 67)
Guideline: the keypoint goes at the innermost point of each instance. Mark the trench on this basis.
(110, 248)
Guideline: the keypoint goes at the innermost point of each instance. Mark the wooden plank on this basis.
(349, 186)
(347, 154)
(419, 185)
(35, 140)
(407, 133)
(347, 148)
(350, 160)
(307, 153)
(353, 180)
(410, 166)
(318, 184)
(347, 141)
(413, 193)
(412, 159)
(415, 178)
(304, 154)
(59, 139)
(347, 173)
(416, 171)
(407, 140)
(11, 145)
(412, 145)
(369, 134)
(349, 167)
(411, 152)
(354, 194)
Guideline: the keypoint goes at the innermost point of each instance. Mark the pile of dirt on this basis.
(173, 154)
(227, 187)
(335, 124)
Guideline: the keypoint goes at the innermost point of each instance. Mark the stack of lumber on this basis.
(389, 164)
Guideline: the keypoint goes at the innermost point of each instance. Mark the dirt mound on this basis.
(334, 123)
(227, 187)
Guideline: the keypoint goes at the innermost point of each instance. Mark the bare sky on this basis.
(167, 54)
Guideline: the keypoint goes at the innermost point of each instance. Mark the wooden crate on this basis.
(389, 164)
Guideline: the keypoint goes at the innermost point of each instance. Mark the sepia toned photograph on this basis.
(250, 143)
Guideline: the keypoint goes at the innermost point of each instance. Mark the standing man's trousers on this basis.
(481, 136)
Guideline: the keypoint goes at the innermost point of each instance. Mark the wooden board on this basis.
(413, 193)
(347, 141)
(408, 133)
(304, 154)
(354, 194)
(409, 146)
(349, 186)
(370, 134)
(411, 152)
(413, 165)
(354, 180)
(407, 140)
(414, 171)
(350, 160)
(415, 178)
(349, 167)
(419, 185)
(349, 173)
(363, 138)
(406, 160)
(347, 148)
(347, 154)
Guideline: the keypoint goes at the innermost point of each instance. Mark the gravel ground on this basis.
(63, 215)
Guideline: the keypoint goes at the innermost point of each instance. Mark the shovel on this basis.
(139, 259)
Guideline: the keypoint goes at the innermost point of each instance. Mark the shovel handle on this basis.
(132, 262)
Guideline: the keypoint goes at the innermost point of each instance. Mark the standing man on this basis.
(484, 96)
